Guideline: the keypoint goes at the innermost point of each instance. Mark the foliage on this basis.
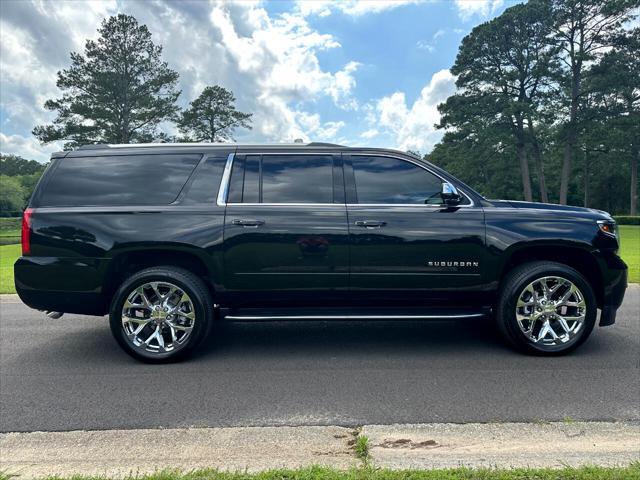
(13, 165)
(18, 178)
(212, 117)
(555, 83)
(118, 91)
(13, 195)
(627, 220)
(503, 68)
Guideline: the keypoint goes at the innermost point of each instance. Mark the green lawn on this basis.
(630, 252)
(369, 473)
(8, 256)
(10, 227)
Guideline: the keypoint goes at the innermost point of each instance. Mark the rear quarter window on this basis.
(118, 180)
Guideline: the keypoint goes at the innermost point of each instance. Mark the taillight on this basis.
(26, 231)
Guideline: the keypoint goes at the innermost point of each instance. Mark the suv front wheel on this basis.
(161, 314)
(546, 308)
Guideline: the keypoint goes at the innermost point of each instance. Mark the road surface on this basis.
(69, 374)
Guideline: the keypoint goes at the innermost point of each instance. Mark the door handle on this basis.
(247, 223)
(370, 223)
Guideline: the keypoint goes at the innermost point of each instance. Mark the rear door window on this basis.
(282, 178)
(118, 180)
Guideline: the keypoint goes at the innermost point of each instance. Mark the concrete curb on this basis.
(117, 453)
(10, 298)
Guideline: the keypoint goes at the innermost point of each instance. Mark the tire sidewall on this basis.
(506, 311)
(178, 278)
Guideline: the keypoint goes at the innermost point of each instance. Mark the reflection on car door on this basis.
(286, 232)
(404, 241)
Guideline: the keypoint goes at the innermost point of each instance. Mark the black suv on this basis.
(168, 238)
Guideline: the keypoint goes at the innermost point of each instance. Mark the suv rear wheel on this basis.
(161, 314)
(546, 308)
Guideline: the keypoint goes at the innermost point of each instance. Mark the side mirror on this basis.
(449, 194)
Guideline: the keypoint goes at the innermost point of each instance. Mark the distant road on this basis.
(68, 374)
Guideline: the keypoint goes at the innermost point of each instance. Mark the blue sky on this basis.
(353, 72)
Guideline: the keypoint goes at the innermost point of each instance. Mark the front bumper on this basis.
(614, 275)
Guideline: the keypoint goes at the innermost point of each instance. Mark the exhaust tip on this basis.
(53, 315)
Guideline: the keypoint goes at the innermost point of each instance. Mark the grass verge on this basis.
(630, 250)
(631, 472)
(8, 255)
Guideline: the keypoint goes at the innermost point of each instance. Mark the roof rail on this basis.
(98, 146)
(324, 144)
(93, 146)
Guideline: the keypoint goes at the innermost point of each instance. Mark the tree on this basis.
(12, 165)
(583, 30)
(13, 196)
(503, 69)
(117, 92)
(212, 117)
(615, 81)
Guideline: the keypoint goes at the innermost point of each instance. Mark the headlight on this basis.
(608, 227)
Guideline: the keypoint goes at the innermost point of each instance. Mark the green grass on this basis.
(368, 473)
(361, 448)
(630, 250)
(10, 227)
(8, 256)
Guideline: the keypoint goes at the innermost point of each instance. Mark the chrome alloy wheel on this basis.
(158, 317)
(551, 311)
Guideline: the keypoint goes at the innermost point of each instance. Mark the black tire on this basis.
(514, 284)
(191, 284)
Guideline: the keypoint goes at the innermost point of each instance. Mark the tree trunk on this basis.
(524, 171)
(537, 156)
(586, 177)
(633, 207)
(571, 134)
(566, 171)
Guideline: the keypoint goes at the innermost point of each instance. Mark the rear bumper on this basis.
(614, 273)
(68, 285)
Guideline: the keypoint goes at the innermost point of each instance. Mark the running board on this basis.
(329, 317)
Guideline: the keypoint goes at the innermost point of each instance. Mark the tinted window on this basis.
(118, 180)
(390, 180)
(297, 179)
(282, 179)
(205, 185)
(251, 191)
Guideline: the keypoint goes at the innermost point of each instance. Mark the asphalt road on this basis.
(69, 374)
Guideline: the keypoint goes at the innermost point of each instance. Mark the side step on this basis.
(258, 315)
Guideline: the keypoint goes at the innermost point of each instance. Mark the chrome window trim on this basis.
(223, 190)
(419, 165)
(290, 204)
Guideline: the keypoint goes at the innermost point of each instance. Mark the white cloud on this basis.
(270, 63)
(481, 8)
(353, 8)
(27, 147)
(316, 130)
(371, 133)
(413, 127)
(422, 45)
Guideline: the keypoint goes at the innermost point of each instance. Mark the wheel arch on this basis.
(128, 262)
(575, 256)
